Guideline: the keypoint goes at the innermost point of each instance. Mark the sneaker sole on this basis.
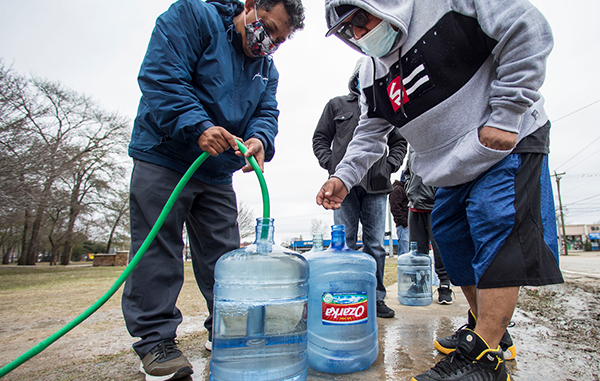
(509, 354)
(181, 373)
(444, 302)
(507, 378)
(208, 346)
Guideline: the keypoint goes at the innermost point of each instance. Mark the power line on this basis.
(576, 111)
(578, 153)
(572, 113)
(581, 161)
(587, 198)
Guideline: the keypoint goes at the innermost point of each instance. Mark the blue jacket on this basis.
(195, 75)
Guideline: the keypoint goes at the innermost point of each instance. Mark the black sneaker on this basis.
(165, 362)
(444, 294)
(384, 311)
(448, 344)
(472, 360)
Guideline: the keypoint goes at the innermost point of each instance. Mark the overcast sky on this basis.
(96, 47)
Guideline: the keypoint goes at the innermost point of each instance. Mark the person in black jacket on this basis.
(366, 201)
(421, 199)
(399, 209)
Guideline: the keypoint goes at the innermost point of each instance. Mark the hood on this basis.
(353, 81)
(227, 8)
(396, 12)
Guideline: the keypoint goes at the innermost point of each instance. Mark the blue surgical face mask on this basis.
(379, 41)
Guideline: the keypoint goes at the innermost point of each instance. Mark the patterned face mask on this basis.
(258, 38)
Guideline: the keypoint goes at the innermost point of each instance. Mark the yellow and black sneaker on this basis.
(165, 362)
(473, 360)
(448, 344)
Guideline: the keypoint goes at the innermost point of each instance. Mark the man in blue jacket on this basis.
(207, 79)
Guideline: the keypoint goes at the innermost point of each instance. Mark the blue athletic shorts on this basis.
(499, 230)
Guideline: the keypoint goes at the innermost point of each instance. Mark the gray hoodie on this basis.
(465, 64)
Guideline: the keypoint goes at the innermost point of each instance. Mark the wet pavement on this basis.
(406, 341)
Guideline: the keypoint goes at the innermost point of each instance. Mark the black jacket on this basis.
(399, 204)
(420, 196)
(335, 130)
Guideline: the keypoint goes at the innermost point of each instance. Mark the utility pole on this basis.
(558, 176)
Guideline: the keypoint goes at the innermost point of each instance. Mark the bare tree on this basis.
(52, 138)
(246, 221)
(318, 226)
(116, 214)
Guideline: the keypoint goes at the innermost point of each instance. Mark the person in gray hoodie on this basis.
(366, 201)
(461, 79)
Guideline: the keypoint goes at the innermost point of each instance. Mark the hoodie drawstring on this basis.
(401, 84)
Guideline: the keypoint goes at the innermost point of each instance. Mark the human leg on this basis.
(403, 242)
(444, 290)
(348, 215)
(213, 231)
(151, 291)
(418, 230)
(372, 217)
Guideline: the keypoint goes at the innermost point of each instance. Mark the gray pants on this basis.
(151, 291)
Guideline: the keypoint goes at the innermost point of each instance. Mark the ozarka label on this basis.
(344, 308)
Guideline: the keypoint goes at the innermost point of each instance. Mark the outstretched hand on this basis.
(332, 194)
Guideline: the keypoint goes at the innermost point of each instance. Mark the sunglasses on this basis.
(360, 20)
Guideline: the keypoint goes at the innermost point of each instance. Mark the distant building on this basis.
(580, 236)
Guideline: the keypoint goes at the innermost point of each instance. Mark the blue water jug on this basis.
(342, 317)
(414, 278)
(260, 328)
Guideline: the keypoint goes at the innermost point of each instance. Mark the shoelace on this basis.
(451, 364)
(166, 348)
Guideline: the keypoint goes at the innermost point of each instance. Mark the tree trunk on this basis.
(73, 213)
(31, 254)
(22, 258)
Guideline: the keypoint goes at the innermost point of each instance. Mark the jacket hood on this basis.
(353, 81)
(396, 12)
(227, 8)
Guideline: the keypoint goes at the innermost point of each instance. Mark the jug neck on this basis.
(317, 243)
(338, 237)
(264, 234)
(414, 249)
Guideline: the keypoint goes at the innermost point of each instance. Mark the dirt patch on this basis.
(559, 325)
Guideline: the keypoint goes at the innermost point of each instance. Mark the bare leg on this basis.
(495, 309)
(470, 293)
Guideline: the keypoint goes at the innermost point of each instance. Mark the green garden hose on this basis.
(135, 260)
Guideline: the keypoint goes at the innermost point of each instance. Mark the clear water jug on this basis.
(317, 245)
(414, 278)
(342, 317)
(260, 328)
